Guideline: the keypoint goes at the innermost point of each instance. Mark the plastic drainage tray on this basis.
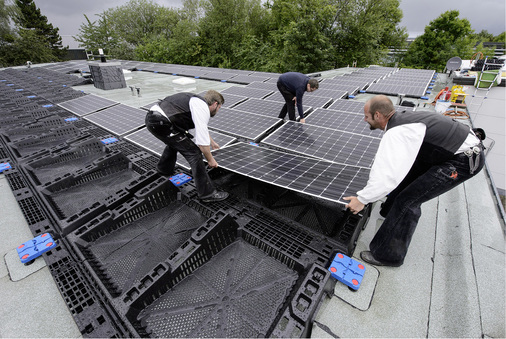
(47, 167)
(36, 128)
(221, 282)
(123, 244)
(80, 196)
(31, 144)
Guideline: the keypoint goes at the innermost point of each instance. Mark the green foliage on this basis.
(445, 37)
(501, 38)
(31, 18)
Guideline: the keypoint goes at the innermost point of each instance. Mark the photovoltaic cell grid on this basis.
(87, 104)
(247, 92)
(325, 143)
(413, 83)
(119, 119)
(148, 141)
(220, 76)
(231, 100)
(351, 106)
(242, 124)
(263, 85)
(248, 79)
(147, 107)
(343, 121)
(310, 176)
(265, 107)
(307, 102)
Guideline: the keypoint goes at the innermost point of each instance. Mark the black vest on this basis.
(443, 135)
(177, 109)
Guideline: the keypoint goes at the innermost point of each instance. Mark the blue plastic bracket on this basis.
(5, 166)
(108, 141)
(180, 179)
(347, 270)
(35, 247)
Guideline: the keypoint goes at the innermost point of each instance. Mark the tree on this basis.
(97, 35)
(445, 37)
(30, 18)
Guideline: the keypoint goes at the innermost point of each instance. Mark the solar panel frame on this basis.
(87, 104)
(119, 119)
(318, 178)
(325, 143)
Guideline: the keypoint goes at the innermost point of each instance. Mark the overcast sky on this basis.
(68, 15)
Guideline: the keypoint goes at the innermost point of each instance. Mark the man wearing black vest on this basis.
(421, 156)
(292, 86)
(170, 121)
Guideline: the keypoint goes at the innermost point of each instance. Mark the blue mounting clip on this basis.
(253, 143)
(35, 247)
(70, 119)
(347, 270)
(5, 166)
(180, 179)
(108, 141)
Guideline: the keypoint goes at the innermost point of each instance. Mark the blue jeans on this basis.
(161, 128)
(402, 208)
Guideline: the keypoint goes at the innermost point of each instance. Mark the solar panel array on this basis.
(119, 119)
(87, 104)
(264, 107)
(319, 178)
(412, 83)
(241, 124)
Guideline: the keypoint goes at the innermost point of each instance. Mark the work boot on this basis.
(216, 196)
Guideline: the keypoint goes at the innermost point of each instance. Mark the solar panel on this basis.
(87, 104)
(242, 124)
(395, 89)
(328, 93)
(343, 121)
(351, 106)
(248, 79)
(309, 176)
(220, 76)
(247, 92)
(147, 107)
(119, 119)
(231, 100)
(325, 143)
(148, 141)
(265, 107)
(263, 85)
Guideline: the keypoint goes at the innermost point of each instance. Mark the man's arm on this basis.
(206, 150)
(395, 157)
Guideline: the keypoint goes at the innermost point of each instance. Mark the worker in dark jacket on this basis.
(421, 156)
(292, 86)
(170, 121)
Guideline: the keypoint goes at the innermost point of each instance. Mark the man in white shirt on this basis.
(421, 155)
(171, 119)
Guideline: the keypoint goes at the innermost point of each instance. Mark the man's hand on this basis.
(212, 163)
(354, 205)
(214, 145)
(295, 100)
(302, 121)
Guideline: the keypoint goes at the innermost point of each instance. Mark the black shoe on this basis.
(368, 258)
(163, 174)
(216, 196)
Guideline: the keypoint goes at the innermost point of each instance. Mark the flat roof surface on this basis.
(452, 283)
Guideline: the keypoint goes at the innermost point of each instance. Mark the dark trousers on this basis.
(402, 209)
(289, 105)
(161, 128)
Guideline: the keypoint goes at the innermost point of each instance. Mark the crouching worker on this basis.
(171, 119)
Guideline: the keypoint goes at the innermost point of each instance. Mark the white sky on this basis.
(68, 15)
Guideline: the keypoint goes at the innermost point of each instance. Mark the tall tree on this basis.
(31, 18)
(7, 31)
(445, 37)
